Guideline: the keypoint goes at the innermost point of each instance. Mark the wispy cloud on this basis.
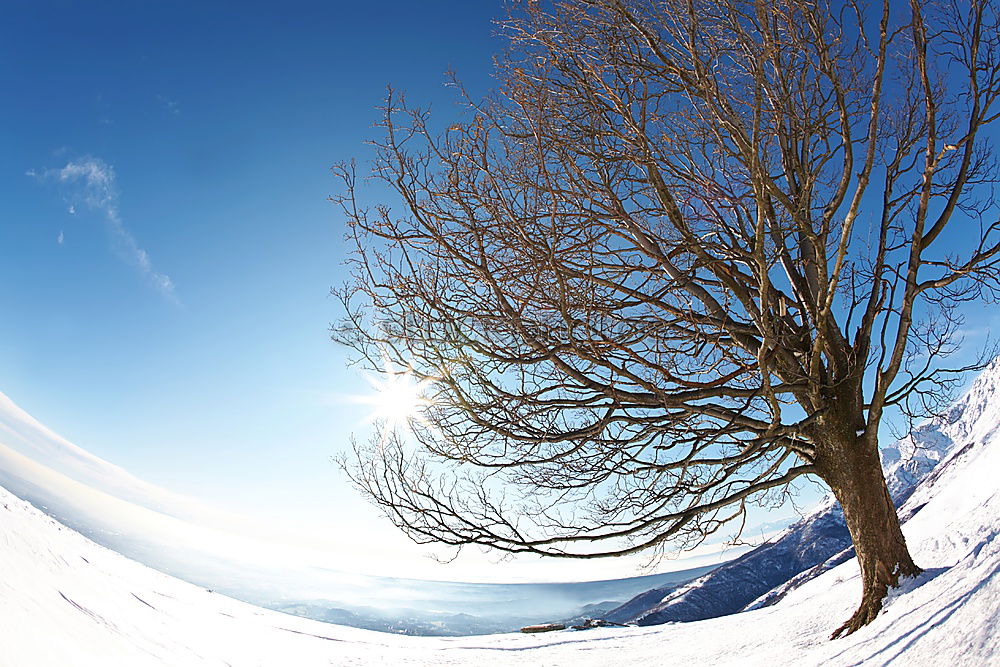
(60, 238)
(90, 181)
(169, 104)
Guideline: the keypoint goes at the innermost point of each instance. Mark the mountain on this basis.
(730, 587)
(68, 601)
(819, 541)
(912, 464)
(453, 609)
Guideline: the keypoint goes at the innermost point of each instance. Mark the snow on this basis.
(68, 601)
(820, 540)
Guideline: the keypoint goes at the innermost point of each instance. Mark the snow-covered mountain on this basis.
(64, 600)
(732, 586)
(820, 540)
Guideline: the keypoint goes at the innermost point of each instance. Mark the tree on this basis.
(689, 251)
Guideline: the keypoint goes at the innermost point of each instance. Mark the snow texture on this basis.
(68, 601)
(820, 540)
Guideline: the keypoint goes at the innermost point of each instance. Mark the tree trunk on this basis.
(858, 483)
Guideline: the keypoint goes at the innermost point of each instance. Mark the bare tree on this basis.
(689, 251)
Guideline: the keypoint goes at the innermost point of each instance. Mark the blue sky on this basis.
(198, 136)
(166, 243)
(168, 247)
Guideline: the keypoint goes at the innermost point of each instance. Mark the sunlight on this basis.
(398, 398)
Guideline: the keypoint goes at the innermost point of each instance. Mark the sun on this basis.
(398, 398)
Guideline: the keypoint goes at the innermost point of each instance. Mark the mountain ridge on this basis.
(820, 540)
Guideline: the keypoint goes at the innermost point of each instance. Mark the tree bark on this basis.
(859, 485)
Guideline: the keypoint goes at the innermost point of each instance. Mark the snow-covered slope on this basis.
(317, 570)
(732, 586)
(819, 540)
(911, 464)
(66, 601)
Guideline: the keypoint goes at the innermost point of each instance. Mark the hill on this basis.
(67, 600)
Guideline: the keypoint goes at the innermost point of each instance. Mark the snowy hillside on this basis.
(913, 461)
(318, 570)
(68, 601)
(819, 540)
(732, 586)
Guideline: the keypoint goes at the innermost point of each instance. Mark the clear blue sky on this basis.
(219, 122)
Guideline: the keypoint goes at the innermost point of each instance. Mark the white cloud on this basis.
(91, 181)
(169, 104)
(60, 238)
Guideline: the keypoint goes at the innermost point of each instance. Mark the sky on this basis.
(167, 248)
(167, 245)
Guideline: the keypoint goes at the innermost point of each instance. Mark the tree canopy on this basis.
(687, 252)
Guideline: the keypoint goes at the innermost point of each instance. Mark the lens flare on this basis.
(398, 398)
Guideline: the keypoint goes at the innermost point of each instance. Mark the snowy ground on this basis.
(66, 601)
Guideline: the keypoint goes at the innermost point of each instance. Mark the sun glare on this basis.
(398, 398)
